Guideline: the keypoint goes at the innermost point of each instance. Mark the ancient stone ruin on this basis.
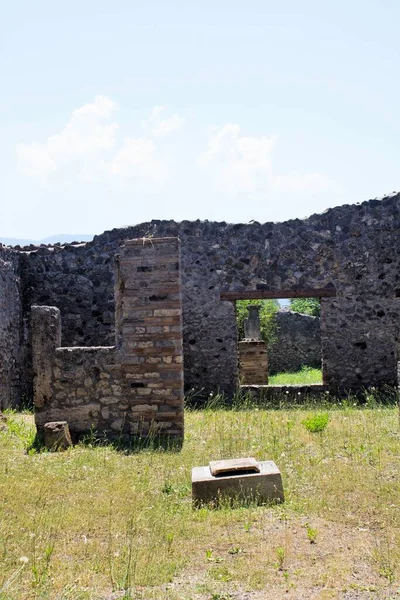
(297, 343)
(348, 256)
(253, 357)
(136, 386)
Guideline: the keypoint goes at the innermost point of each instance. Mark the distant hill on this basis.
(53, 239)
(15, 241)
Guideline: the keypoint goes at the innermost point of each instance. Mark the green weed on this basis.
(316, 423)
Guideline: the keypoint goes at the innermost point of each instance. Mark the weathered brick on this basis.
(143, 372)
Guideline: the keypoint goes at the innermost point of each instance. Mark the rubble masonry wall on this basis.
(11, 330)
(134, 387)
(353, 249)
(297, 343)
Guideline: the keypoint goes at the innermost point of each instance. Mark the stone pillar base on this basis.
(253, 362)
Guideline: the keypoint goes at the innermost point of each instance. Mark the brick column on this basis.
(253, 362)
(253, 357)
(148, 321)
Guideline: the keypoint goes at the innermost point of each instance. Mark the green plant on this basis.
(221, 573)
(311, 534)
(19, 427)
(268, 310)
(280, 555)
(306, 306)
(235, 550)
(316, 423)
(169, 538)
(92, 438)
(211, 558)
(168, 488)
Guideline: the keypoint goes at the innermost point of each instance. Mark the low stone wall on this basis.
(279, 395)
(132, 388)
(298, 343)
(11, 330)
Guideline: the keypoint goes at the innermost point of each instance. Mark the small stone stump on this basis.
(57, 436)
(237, 480)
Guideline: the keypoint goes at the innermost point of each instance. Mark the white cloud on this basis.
(155, 112)
(87, 147)
(239, 163)
(168, 125)
(35, 160)
(160, 127)
(137, 158)
(101, 108)
(90, 148)
(87, 135)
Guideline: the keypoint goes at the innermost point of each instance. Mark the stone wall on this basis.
(136, 386)
(351, 250)
(11, 330)
(79, 279)
(298, 343)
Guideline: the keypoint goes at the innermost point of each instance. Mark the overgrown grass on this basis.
(94, 521)
(305, 376)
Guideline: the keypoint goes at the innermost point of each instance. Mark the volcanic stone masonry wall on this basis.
(298, 343)
(352, 250)
(136, 386)
(11, 330)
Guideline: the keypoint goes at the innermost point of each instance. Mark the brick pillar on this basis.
(253, 362)
(46, 337)
(148, 321)
(253, 357)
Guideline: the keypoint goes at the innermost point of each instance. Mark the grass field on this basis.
(96, 523)
(305, 376)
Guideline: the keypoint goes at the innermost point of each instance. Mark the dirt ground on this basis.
(341, 563)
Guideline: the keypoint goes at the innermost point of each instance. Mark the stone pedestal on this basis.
(253, 362)
(252, 325)
(262, 485)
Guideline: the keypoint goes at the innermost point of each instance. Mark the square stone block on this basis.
(260, 483)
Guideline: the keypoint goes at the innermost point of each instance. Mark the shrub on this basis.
(306, 306)
(316, 422)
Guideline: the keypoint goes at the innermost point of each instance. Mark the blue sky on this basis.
(117, 113)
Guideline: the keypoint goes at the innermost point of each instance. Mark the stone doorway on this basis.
(289, 351)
